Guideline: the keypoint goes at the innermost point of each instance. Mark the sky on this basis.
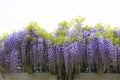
(16, 14)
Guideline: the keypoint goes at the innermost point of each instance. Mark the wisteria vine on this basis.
(67, 50)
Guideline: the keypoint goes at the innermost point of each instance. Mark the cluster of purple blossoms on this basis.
(26, 50)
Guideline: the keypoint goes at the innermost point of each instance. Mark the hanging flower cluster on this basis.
(71, 49)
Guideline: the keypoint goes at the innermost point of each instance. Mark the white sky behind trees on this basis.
(16, 14)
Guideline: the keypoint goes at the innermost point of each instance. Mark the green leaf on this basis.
(4, 36)
(64, 24)
(28, 38)
(86, 27)
(98, 34)
(99, 25)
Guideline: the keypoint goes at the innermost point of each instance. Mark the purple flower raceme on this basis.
(94, 30)
(101, 48)
(2, 57)
(66, 52)
(107, 45)
(90, 54)
(76, 53)
(72, 31)
(117, 33)
(113, 54)
(118, 58)
(52, 58)
(86, 34)
(10, 42)
(73, 51)
(58, 53)
(96, 53)
(40, 52)
(35, 56)
(14, 60)
(60, 28)
(93, 50)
